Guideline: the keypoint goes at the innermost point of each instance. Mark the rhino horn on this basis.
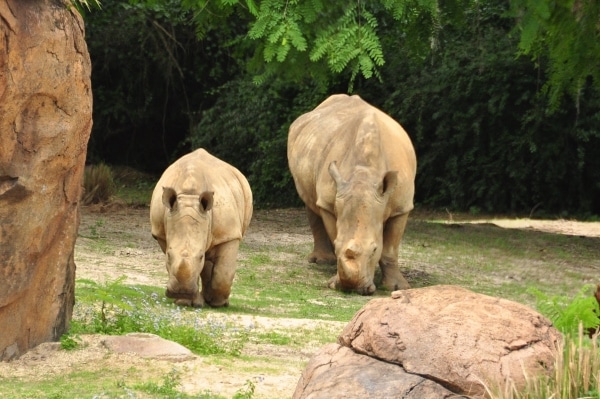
(169, 197)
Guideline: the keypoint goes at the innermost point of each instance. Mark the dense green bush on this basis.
(482, 131)
(150, 77)
(248, 127)
(485, 137)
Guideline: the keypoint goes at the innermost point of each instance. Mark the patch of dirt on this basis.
(557, 226)
(115, 235)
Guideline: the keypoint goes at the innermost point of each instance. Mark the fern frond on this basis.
(277, 34)
(566, 313)
(259, 27)
(282, 51)
(296, 37)
(310, 10)
(252, 8)
(269, 52)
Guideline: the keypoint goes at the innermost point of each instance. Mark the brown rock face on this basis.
(337, 372)
(454, 339)
(45, 122)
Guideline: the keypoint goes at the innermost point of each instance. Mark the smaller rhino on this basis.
(200, 210)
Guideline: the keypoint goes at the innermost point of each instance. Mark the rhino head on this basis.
(188, 222)
(360, 212)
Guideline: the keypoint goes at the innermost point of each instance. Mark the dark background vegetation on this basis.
(486, 136)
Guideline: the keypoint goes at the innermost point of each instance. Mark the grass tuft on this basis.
(98, 183)
(576, 374)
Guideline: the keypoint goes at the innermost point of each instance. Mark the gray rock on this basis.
(148, 345)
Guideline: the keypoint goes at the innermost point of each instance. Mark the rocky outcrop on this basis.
(45, 122)
(337, 372)
(446, 339)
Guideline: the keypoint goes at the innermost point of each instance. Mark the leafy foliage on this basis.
(151, 76)
(483, 136)
(564, 37)
(69, 342)
(567, 313)
(79, 4)
(247, 127)
(297, 38)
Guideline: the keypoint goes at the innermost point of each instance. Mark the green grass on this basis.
(274, 280)
(100, 384)
(498, 261)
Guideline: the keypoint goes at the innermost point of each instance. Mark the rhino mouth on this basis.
(180, 295)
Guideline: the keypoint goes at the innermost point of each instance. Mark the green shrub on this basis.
(568, 313)
(98, 183)
(69, 342)
(248, 128)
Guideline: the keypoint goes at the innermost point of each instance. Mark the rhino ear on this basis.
(335, 174)
(389, 182)
(169, 197)
(206, 200)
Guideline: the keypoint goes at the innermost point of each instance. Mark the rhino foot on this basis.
(183, 302)
(322, 259)
(395, 284)
(197, 302)
(219, 303)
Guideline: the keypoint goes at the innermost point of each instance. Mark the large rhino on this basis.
(200, 210)
(354, 167)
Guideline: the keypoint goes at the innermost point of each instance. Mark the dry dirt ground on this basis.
(145, 265)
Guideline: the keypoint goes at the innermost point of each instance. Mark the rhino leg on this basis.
(218, 273)
(323, 250)
(392, 235)
(162, 242)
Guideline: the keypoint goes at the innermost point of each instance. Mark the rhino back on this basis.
(200, 171)
(335, 131)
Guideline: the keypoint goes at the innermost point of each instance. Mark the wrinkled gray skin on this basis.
(354, 167)
(200, 210)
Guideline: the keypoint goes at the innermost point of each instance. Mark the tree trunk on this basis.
(45, 123)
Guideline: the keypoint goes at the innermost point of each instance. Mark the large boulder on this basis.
(45, 123)
(337, 372)
(445, 338)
